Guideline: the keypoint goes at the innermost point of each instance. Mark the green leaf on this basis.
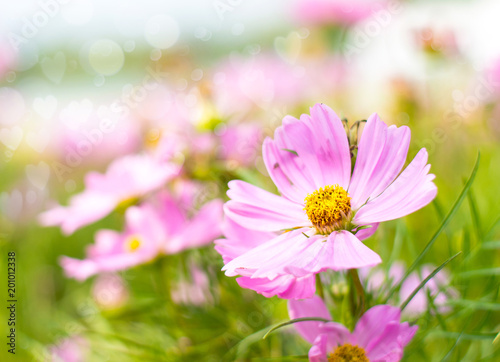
(445, 222)
(480, 273)
(464, 336)
(497, 338)
(296, 320)
(291, 151)
(475, 304)
(429, 277)
(476, 219)
(490, 245)
(453, 347)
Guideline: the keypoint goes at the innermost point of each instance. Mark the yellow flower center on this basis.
(132, 243)
(328, 208)
(348, 353)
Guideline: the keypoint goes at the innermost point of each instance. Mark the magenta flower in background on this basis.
(195, 291)
(262, 81)
(70, 349)
(125, 180)
(379, 282)
(438, 288)
(378, 336)
(238, 241)
(151, 230)
(323, 211)
(240, 143)
(344, 12)
(110, 291)
(80, 140)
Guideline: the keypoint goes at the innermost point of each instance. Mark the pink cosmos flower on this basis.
(438, 288)
(344, 12)
(70, 349)
(126, 179)
(262, 81)
(238, 240)
(151, 229)
(321, 215)
(195, 291)
(239, 143)
(379, 282)
(378, 336)
(110, 291)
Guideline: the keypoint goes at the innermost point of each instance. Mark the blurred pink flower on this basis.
(324, 210)
(195, 291)
(263, 81)
(238, 240)
(493, 76)
(438, 288)
(127, 178)
(240, 143)
(378, 336)
(8, 57)
(151, 229)
(88, 144)
(70, 349)
(110, 291)
(380, 282)
(343, 12)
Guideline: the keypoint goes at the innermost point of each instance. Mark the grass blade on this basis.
(292, 321)
(480, 273)
(429, 277)
(445, 222)
(497, 338)
(475, 304)
(476, 219)
(491, 245)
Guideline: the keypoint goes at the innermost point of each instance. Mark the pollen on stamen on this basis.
(347, 352)
(132, 243)
(328, 207)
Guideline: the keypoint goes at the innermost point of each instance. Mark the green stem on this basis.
(162, 280)
(359, 289)
(319, 287)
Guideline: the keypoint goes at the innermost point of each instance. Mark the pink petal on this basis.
(367, 232)
(299, 255)
(389, 345)
(106, 242)
(412, 190)
(78, 269)
(285, 254)
(170, 211)
(145, 221)
(332, 143)
(204, 228)
(349, 252)
(284, 286)
(239, 240)
(321, 142)
(318, 351)
(286, 169)
(381, 156)
(373, 322)
(125, 178)
(261, 210)
(84, 209)
(308, 308)
(336, 334)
